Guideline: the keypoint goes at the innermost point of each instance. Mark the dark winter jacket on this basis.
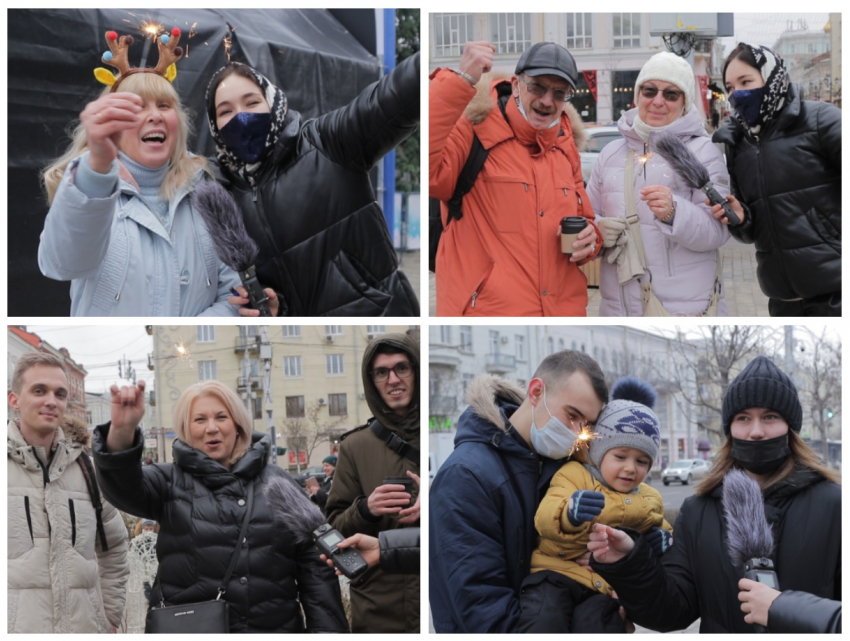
(482, 505)
(696, 579)
(380, 602)
(200, 506)
(324, 244)
(801, 612)
(400, 551)
(320, 498)
(790, 180)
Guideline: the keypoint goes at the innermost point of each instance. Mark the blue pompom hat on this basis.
(627, 421)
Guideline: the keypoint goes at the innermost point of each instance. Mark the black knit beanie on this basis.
(762, 384)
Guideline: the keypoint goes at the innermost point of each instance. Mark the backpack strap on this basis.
(395, 442)
(469, 173)
(97, 504)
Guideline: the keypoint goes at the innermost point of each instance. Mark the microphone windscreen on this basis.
(681, 159)
(235, 248)
(292, 509)
(748, 534)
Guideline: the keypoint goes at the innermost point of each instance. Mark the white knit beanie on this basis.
(670, 68)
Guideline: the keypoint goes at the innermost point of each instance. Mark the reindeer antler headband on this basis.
(169, 53)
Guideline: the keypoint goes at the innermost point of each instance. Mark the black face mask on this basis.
(761, 457)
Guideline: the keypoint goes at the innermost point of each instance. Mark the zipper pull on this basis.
(255, 193)
(579, 199)
(565, 191)
(474, 296)
(526, 186)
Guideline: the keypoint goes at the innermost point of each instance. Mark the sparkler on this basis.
(151, 31)
(228, 43)
(583, 439)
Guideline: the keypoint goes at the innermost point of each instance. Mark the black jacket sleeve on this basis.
(659, 595)
(383, 115)
(400, 551)
(794, 611)
(318, 592)
(129, 486)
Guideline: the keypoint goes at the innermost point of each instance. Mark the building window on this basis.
(451, 31)
(519, 340)
(550, 346)
(294, 407)
(446, 334)
(337, 405)
(206, 371)
(206, 333)
(560, 344)
(335, 364)
(579, 30)
(510, 32)
(374, 330)
(494, 342)
(465, 338)
(626, 30)
(333, 330)
(292, 367)
(257, 403)
(291, 331)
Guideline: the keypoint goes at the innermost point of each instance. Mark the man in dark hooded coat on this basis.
(387, 445)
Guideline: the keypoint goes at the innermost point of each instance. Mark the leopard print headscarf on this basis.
(772, 68)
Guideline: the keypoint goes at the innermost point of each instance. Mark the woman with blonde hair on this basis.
(121, 226)
(697, 578)
(220, 470)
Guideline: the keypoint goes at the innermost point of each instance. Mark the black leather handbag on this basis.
(204, 617)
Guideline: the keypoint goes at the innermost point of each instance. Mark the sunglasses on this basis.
(402, 370)
(558, 95)
(670, 95)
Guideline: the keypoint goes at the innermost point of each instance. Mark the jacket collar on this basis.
(212, 473)
(66, 449)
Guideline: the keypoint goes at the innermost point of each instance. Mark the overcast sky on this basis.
(98, 349)
(765, 28)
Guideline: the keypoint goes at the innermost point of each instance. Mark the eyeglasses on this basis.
(670, 95)
(402, 370)
(558, 95)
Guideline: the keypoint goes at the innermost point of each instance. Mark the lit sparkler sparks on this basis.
(228, 43)
(645, 158)
(182, 351)
(583, 439)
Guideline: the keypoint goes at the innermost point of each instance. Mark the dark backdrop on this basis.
(313, 57)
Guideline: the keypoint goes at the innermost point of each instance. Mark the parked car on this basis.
(598, 137)
(316, 472)
(685, 470)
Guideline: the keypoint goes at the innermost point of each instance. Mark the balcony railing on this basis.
(500, 363)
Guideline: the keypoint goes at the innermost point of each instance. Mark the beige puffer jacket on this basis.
(59, 578)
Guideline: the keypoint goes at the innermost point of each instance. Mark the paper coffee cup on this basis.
(406, 481)
(571, 227)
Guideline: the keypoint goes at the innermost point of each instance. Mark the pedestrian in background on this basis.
(278, 584)
(680, 237)
(762, 418)
(784, 158)
(319, 491)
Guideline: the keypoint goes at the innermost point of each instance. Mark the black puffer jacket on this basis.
(794, 611)
(696, 579)
(197, 503)
(790, 179)
(324, 243)
(400, 551)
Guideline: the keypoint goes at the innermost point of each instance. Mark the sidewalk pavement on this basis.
(409, 264)
(742, 292)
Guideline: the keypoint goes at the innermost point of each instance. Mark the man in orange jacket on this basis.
(503, 257)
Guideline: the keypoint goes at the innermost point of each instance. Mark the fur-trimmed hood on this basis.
(486, 391)
(485, 101)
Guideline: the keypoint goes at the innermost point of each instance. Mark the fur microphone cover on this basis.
(748, 534)
(292, 509)
(235, 248)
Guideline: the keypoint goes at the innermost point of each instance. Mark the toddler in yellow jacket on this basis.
(560, 595)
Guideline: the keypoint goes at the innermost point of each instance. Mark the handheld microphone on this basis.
(692, 171)
(235, 248)
(748, 534)
(305, 521)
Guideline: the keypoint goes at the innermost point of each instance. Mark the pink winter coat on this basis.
(680, 256)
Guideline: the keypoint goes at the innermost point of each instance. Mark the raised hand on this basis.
(128, 408)
(609, 545)
(104, 119)
(476, 59)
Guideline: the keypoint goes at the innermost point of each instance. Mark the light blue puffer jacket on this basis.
(681, 256)
(123, 262)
